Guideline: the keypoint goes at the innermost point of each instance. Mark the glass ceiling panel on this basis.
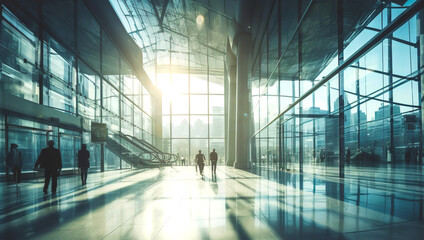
(154, 23)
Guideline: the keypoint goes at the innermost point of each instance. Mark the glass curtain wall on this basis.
(82, 74)
(365, 120)
(192, 84)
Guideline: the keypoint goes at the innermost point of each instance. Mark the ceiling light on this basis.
(200, 20)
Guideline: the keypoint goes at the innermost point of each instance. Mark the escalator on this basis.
(129, 152)
(137, 152)
(167, 157)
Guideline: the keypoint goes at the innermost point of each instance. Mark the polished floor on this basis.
(176, 203)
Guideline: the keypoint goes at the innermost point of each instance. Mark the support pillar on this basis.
(242, 102)
(231, 133)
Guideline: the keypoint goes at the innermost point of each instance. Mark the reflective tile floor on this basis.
(176, 203)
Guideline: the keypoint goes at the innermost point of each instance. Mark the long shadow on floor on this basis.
(64, 195)
(52, 220)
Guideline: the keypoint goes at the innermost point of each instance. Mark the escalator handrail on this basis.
(124, 156)
(151, 146)
(147, 144)
(159, 155)
(128, 138)
(146, 147)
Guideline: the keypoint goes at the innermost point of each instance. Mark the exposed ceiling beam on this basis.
(138, 30)
(165, 5)
(162, 15)
(156, 12)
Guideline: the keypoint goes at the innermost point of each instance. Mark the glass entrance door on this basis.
(69, 144)
(30, 141)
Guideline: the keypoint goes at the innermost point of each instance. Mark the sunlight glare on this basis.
(200, 20)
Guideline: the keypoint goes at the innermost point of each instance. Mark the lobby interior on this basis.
(314, 108)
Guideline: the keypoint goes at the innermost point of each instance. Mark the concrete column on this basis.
(242, 102)
(231, 133)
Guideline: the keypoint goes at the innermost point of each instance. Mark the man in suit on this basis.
(213, 157)
(200, 160)
(83, 162)
(51, 160)
(14, 161)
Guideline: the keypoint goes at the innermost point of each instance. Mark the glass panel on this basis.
(198, 104)
(217, 127)
(199, 126)
(180, 147)
(147, 123)
(110, 98)
(179, 83)
(166, 104)
(216, 104)
(59, 84)
(147, 102)
(180, 104)
(127, 110)
(89, 90)
(198, 83)
(166, 145)
(180, 126)
(69, 146)
(30, 143)
(2, 143)
(216, 84)
(19, 49)
(112, 162)
(95, 152)
(138, 121)
(166, 126)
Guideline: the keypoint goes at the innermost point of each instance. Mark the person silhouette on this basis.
(51, 160)
(213, 157)
(14, 161)
(348, 155)
(200, 160)
(83, 162)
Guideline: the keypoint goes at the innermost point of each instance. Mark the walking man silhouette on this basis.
(51, 160)
(213, 157)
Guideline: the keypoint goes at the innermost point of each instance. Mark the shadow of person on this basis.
(213, 184)
(214, 177)
(215, 187)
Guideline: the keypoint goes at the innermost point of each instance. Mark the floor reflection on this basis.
(177, 203)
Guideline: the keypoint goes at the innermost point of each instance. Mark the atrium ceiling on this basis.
(198, 27)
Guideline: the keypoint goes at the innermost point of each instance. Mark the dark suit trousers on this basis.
(201, 166)
(84, 175)
(50, 173)
(213, 167)
(17, 174)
